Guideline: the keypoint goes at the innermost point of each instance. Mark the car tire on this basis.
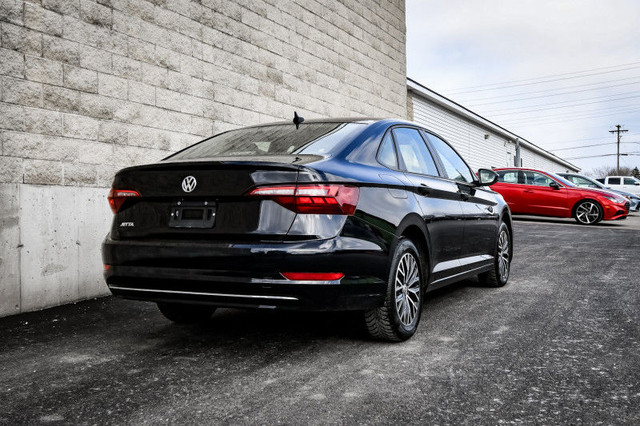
(588, 212)
(499, 274)
(397, 320)
(186, 314)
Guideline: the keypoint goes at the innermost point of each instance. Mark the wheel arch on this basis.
(506, 217)
(413, 228)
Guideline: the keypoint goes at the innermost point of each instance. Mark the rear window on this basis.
(562, 180)
(280, 139)
(580, 181)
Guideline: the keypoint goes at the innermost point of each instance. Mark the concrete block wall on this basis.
(90, 86)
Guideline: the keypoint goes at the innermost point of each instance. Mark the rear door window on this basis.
(536, 179)
(614, 181)
(508, 176)
(413, 152)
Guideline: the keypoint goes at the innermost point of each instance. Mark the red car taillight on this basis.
(313, 199)
(312, 276)
(118, 196)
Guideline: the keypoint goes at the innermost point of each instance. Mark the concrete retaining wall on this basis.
(51, 252)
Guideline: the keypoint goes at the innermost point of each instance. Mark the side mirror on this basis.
(487, 177)
(637, 183)
(554, 185)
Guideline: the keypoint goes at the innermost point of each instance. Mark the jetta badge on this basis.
(189, 184)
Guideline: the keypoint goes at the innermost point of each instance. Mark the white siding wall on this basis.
(468, 138)
(537, 161)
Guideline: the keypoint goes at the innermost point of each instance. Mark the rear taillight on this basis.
(313, 199)
(313, 276)
(118, 196)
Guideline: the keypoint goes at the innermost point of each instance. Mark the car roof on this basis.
(573, 174)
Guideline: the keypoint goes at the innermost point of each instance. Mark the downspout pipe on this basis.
(516, 161)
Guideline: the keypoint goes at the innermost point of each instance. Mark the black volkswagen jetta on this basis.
(328, 215)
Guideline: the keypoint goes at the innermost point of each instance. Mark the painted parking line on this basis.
(631, 223)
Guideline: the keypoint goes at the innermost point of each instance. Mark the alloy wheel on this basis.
(407, 289)
(588, 213)
(504, 256)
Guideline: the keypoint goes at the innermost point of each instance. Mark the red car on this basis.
(535, 192)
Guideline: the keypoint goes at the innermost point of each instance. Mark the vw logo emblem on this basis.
(189, 184)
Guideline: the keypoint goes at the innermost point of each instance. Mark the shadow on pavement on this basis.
(274, 326)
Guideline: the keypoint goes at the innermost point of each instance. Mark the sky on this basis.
(560, 73)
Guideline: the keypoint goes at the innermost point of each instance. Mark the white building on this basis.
(481, 142)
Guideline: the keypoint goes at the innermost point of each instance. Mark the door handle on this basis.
(464, 196)
(423, 189)
(528, 191)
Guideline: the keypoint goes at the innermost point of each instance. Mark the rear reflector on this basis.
(118, 196)
(312, 276)
(313, 199)
(106, 268)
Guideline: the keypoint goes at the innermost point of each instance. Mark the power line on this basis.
(546, 122)
(569, 114)
(572, 115)
(588, 146)
(562, 106)
(553, 122)
(540, 82)
(592, 139)
(535, 92)
(588, 156)
(582, 127)
(627, 109)
(629, 154)
(547, 76)
(576, 102)
(549, 96)
(583, 146)
(601, 155)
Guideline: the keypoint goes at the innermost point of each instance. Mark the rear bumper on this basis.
(248, 274)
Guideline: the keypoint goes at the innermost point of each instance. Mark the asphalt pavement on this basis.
(560, 344)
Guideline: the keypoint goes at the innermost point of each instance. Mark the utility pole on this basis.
(618, 131)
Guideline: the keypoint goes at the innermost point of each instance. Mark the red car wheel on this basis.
(588, 212)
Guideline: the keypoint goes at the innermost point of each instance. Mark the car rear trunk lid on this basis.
(205, 199)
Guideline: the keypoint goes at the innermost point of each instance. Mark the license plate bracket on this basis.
(193, 214)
